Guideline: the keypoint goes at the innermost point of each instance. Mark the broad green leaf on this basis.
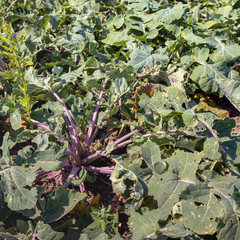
(118, 38)
(42, 141)
(140, 59)
(211, 149)
(230, 88)
(45, 232)
(48, 159)
(15, 120)
(189, 118)
(168, 15)
(185, 165)
(166, 188)
(5, 158)
(152, 155)
(117, 89)
(125, 182)
(61, 204)
(159, 103)
(144, 226)
(14, 186)
(192, 38)
(226, 188)
(230, 51)
(201, 209)
(175, 230)
(73, 42)
(206, 74)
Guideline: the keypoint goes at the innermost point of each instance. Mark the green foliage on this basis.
(140, 63)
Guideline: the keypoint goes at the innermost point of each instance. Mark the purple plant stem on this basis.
(96, 130)
(103, 170)
(5, 170)
(69, 151)
(74, 136)
(73, 173)
(95, 156)
(94, 117)
(119, 144)
(41, 125)
(208, 127)
(4, 15)
(82, 187)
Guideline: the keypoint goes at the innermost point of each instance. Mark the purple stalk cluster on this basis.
(79, 153)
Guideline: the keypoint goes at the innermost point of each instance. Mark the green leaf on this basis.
(110, 147)
(201, 209)
(117, 89)
(144, 226)
(61, 204)
(118, 38)
(73, 42)
(229, 51)
(125, 182)
(152, 155)
(14, 186)
(42, 141)
(166, 188)
(189, 118)
(168, 15)
(48, 159)
(230, 88)
(140, 59)
(5, 158)
(45, 232)
(211, 149)
(15, 120)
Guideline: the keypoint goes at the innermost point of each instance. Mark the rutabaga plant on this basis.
(79, 152)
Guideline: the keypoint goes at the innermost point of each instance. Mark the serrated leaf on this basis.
(14, 186)
(15, 120)
(62, 203)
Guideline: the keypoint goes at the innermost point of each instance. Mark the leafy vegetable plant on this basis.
(112, 119)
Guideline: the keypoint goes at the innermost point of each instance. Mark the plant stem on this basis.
(208, 127)
(103, 170)
(96, 130)
(9, 7)
(73, 173)
(74, 135)
(94, 117)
